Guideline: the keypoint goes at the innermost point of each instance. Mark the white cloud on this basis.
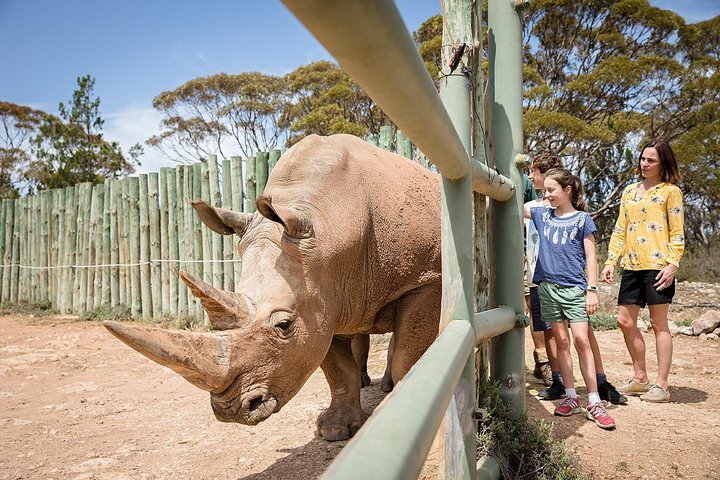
(135, 125)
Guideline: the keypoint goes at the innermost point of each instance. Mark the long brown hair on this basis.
(565, 178)
(668, 162)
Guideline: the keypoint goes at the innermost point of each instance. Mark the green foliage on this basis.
(327, 101)
(523, 450)
(102, 313)
(36, 309)
(71, 149)
(204, 112)
(18, 124)
(429, 41)
(603, 77)
(604, 321)
(701, 263)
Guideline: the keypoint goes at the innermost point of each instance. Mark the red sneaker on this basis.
(597, 413)
(568, 407)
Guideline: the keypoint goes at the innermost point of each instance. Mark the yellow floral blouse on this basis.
(648, 233)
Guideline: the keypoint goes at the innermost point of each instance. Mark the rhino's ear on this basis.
(295, 222)
(220, 220)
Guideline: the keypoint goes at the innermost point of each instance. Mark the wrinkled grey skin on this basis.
(346, 241)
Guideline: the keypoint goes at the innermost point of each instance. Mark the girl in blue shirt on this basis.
(567, 295)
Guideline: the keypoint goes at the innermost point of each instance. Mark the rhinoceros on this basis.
(345, 240)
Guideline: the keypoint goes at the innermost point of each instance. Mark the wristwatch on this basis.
(592, 288)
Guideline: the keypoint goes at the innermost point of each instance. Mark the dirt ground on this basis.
(75, 403)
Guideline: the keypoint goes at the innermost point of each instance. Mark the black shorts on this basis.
(636, 288)
(537, 322)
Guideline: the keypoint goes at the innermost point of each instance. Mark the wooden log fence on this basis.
(122, 243)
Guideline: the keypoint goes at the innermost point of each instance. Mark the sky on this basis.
(136, 49)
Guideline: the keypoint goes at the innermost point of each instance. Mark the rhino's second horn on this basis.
(225, 310)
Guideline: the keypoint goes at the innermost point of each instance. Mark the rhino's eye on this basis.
(282, 321)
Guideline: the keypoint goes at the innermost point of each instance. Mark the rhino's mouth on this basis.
(248, 409)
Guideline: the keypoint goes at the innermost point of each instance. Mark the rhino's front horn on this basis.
(225, 310)
(202, 358)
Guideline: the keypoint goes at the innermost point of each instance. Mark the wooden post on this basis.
(229, 241)
(126, 256)
(275, 155)
(237, 205)
(115, 244)
(3, 265)
(134, 233)
(250, 184)
(94, 246)
(184, 238)
(123, 250)
(216, 240)
(372, 139)
(146, 299)
(155, 248)
(171, 272)
(68, 255)
(45, 243)
(164, 244)
(105, 282)
(403, 145)
(199, 242)
(261, 173)
(15, 253)
(385, 140)
(83, 202)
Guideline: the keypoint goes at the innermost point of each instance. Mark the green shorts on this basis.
(559, 302)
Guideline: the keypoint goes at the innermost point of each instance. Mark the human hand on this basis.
(607, 274)
(592, 302)
(665, 277)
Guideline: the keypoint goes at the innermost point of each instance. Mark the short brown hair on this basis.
(545, 160)
(668, 162)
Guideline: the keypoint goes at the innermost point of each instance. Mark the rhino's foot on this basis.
(387, 383)
(336, 424)
(365, 378)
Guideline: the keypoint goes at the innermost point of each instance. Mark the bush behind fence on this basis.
(124, 242)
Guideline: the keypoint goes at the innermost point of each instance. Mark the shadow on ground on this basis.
(312, 459)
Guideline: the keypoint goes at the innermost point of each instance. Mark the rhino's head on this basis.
(267, 340)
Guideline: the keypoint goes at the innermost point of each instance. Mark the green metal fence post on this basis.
(505, 83)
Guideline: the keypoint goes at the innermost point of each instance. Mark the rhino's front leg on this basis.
(344, 416)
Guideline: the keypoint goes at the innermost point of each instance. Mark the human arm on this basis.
(591, 299)
(676, 239)
(526, 211)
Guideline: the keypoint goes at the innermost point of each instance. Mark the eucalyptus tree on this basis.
(325, 101)
(18, 125)
(221, 114)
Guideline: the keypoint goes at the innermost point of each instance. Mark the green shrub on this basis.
(37, 309)
(522, 449)
(700, 264)
(603, 321)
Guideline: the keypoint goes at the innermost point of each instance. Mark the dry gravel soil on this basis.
(75, 403)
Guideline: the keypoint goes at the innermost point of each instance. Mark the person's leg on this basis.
(580, 332)
(634, 341)
(663, 342)
(562, 340)
(607, 390)
(542, 370)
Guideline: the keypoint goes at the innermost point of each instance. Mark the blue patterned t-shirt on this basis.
(562, 253)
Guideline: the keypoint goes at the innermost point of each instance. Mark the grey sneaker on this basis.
(656, 394)
(633, 387)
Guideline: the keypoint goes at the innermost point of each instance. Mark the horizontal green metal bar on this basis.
(491, 183)
(491, 323)
(372, 44)
(488, 468)
(395, 441)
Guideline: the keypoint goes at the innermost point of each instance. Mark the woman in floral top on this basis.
(648, 241)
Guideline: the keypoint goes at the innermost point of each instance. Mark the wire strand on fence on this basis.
(113, 265)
